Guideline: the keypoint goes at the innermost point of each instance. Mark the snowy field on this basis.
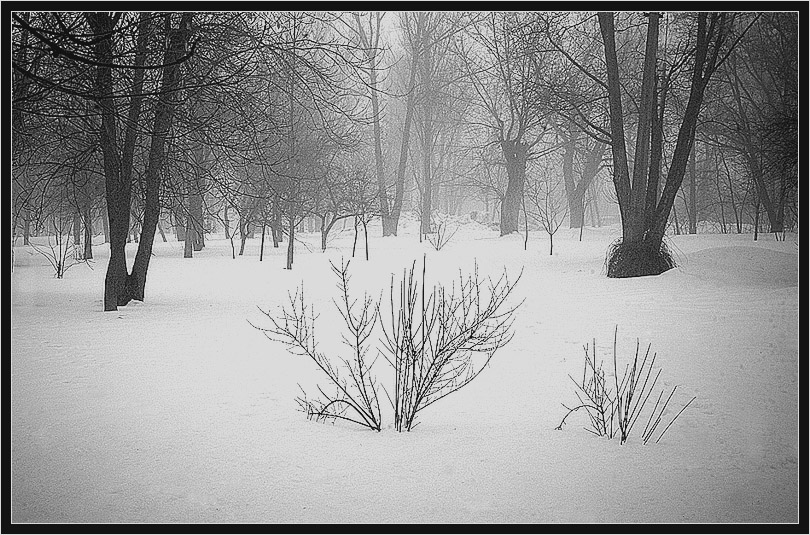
(177, 410)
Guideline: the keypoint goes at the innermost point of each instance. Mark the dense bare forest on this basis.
(145, 123)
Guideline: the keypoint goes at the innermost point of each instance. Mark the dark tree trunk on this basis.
(515, 154)
(77, 233)
(88, 233)
(325, 230)
(291, 241)
(243, 234)
(188, 244)
(692, 212)
(261, 247)
(399, 193)
(354, 244)
(164, 110)
(196, 218)
(277, 224)
(118, 185)
(656, 156)
(105, 224)
(575, 203)
(27, 227)
(641, 240)
(180, 224)
(365, 235)
(427, 184)
(371, 51)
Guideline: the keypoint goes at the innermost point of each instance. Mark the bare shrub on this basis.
(355, 389)
(435, 336)
(613, 408)
(61, 251)
(437, 342)
(441, 237)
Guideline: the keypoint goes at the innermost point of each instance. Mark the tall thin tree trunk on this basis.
(365, 235)
(26, 227)
(406, 128)
(575, 205)
(370, 49)
(88, 232)
(290, 241)
(105, 224)
(354, 244)
(427, 135)
(164, 110)
(261, 247)
(692, 212)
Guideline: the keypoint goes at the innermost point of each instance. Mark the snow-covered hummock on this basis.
(177, 410)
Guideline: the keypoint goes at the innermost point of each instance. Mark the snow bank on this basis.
(177, 410)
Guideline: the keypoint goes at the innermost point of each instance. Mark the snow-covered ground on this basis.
(177, 410)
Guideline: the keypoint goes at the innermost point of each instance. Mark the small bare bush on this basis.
(436, 337)
(355, 389)
(60, 251)
(441, 237)
(614, 407)
(438, 341)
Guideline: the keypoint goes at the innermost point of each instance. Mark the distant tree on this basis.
(548, 207)
(505, 64)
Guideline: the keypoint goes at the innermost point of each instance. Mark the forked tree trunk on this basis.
(637, 226)
(164, 110)
(117, 169)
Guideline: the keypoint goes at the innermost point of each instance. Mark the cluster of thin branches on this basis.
(61, 251)
(433, 345)
(614, 408)
(435, 336)
(441, 237)
(355, 398)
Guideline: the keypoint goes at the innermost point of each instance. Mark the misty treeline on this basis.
(145, 124)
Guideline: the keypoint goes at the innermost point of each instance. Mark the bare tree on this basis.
(549, 209)
(505, 65)
(641, 251)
